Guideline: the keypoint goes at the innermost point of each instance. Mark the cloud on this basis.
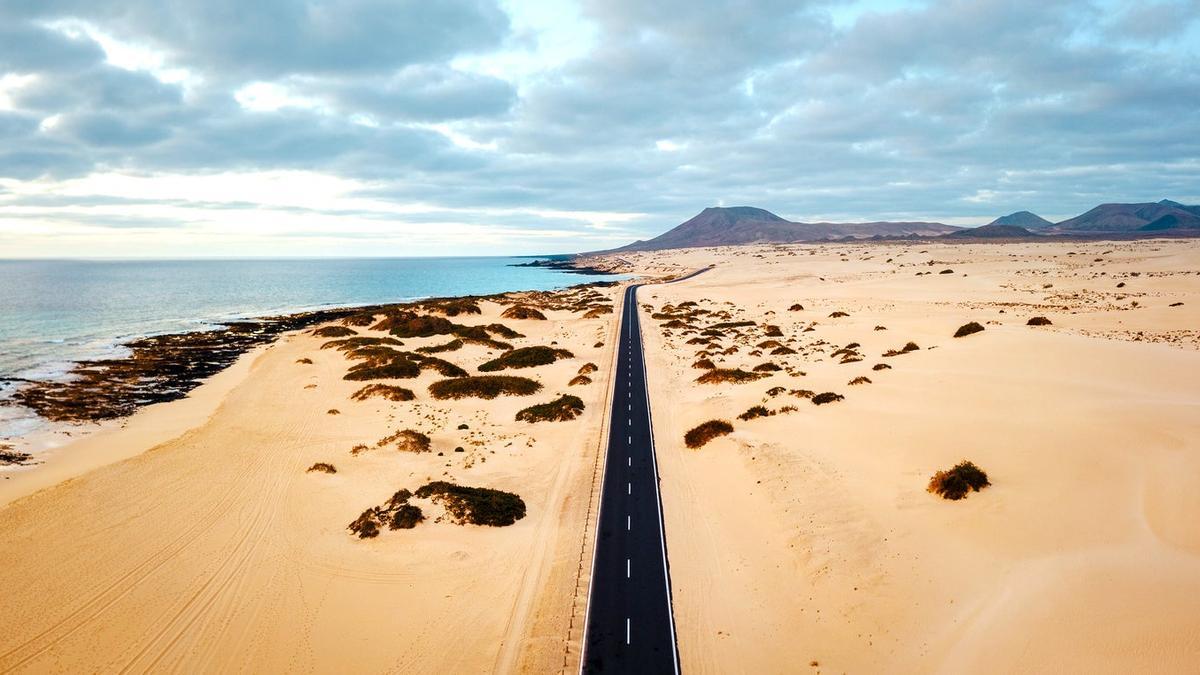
(496, 113)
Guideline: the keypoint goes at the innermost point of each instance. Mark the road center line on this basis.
(628, 523)
(627, 568)
(627, 635)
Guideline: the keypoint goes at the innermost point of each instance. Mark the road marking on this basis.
(629, 407)
(630, 441)
(627, 636)
(628, 523)
(628, 461)
(629, 421)
(627, 568)
(628, 488)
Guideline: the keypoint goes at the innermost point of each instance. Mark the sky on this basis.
(171, 128)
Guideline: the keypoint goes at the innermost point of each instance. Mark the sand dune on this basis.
(807, 537)
(216, 552)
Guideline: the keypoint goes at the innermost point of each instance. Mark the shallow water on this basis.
(56, 312)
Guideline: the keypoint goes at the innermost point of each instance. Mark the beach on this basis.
(196, 538)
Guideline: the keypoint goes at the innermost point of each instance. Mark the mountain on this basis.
(729, 226)
(1113, 218)
(995, 231)
(1172, 221)
(1025, 219)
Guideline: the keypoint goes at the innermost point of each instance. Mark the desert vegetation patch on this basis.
(484, 386)
(701, 434)
(525, 357)
(957, 482)
(562, 409)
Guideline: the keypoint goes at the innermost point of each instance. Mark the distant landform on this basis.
(731, 226)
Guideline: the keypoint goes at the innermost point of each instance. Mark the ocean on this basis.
(56, 312)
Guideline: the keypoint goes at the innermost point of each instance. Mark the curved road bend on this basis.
(630, 627)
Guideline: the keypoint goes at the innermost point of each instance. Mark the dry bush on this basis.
(597, 312)
(453, 306)
(503, 331)
(802, 393)
(968, 329)
(323, 467)
(11, 457)
(909, 347)
(523, 312)
(881, 366)
(407, 324)
(407, 440)
(767, 367)
(385, 391)
(775, 391)
(676, 323)
(351, 344)
(861, 379)
(451, 346)
(838, 315)
(562, 409)
(755, 411)
(361, 320)
(796, 308)
(1038, 321)
(334, 332)
(579, 380)
(359, 449)
(959, 481)
(827, 397)
(305, 361)
(406, 517)
(705, 364)
(476, 506)
(333, 411)
(735, 375)
(398, 369)
(525, 357)
(484, 386)
(366, 526)
(441, 367)
(772, 331)
(880, 327)
(588, 368)
(946, 272)
(769, 344)
(782, 351)
(703, 433)
(733, 324)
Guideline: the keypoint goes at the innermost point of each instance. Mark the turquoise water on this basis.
(55, 312)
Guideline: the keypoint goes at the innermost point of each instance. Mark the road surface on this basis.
(629, 626)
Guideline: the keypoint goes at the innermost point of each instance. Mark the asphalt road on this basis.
(630, 627)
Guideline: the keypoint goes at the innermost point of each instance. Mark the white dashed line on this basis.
(627, 635)
(627, 568)
(628, 523)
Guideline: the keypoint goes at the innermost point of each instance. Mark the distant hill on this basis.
(1113, 218)
(729, 226)
(1025, 219)
(994, 231)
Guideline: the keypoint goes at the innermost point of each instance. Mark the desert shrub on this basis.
(703, 433)
(802, 393)
(441, 367)
(323, 467)
(699, 341)
(908, 347)
(12, 457)
(767, 367)
(775, 391)
(755, 411)
(407, 440)
(958, 481)
(772, 331)
(861, 379)
(525, 357)
(712, 332)
(769, 344)
(406, 517)
(837, 315)
(385, 391)
(736, 375)
(412, 325)
(826, 397)
(598, 345)
(451, 346)
(351, 344)
(477, 506)
(453, 306)
(561, 409)
(333, 411)
(484, 386)
(782, 351)
(520, 312)
(946, 272)
(334, 332)
(706, 364)
(305, 361)
(796, 308)
(397, 369)
(880, 327)
(366, 526)
(579, 380)
(588, 368)
(1038, 321)
(361, 320)
(597, 312)
(968, 329)
(733, 324)
(503, 331)
(881, 366)
(358, 449)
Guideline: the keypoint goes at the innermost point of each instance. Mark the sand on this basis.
(193, 538)
(806, 541)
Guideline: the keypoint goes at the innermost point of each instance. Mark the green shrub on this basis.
(561, 409)
(968, 329)
(525, 357)
(334, 332)
(476, 506)
(958, 481)
(701, 434)
(484, 386)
